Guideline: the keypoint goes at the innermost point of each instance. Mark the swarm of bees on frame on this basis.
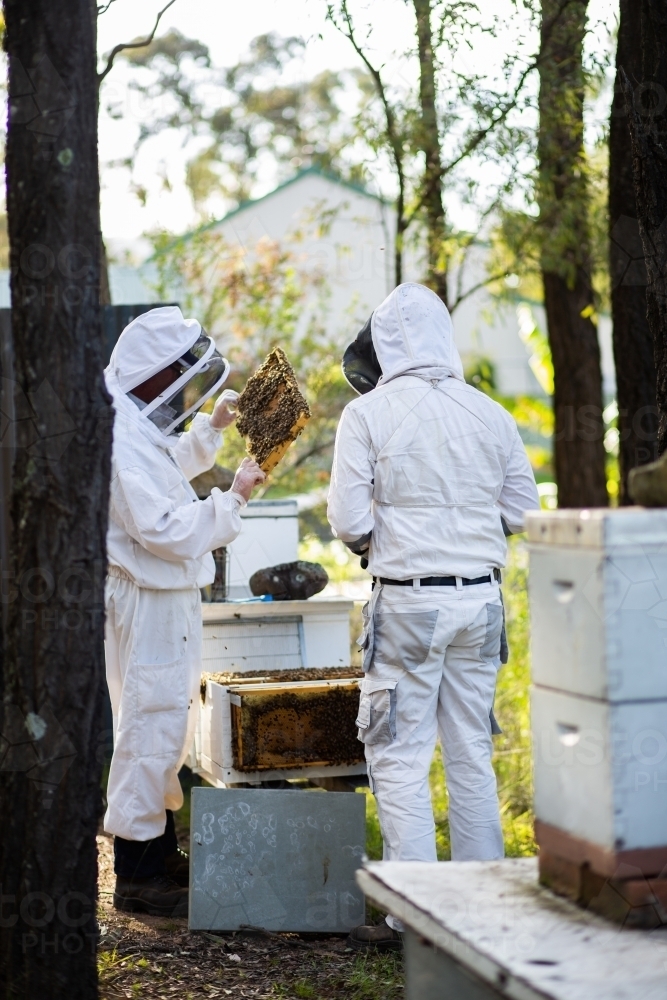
(272, 411)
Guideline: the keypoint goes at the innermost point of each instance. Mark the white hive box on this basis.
(601, 769)
(269, 536)
(598, 594)
(276, 635)
(268, 637)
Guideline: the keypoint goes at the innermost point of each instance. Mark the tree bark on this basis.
(53, 655)
(646, 104)
(428, 137)
(632, 338)
(579, 453)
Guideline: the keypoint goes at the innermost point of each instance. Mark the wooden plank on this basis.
(628, 899)
(230, 612)
(273, 686)
(605, 861)
(498, 922)
(431, 974)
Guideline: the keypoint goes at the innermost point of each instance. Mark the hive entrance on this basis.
(272, 411)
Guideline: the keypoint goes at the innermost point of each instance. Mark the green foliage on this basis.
(250, 302)
(481, 372)
(254, 116)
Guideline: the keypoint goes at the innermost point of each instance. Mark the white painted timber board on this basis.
(599, 620)
(220, 777)
(267, 538)
(246, 611)
(601, 528)
(496, 920)
(254, 645)
(601, 768)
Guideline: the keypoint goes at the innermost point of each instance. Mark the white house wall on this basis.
(355, 254)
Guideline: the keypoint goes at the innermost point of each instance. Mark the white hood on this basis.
(413, 335)
(150, 343)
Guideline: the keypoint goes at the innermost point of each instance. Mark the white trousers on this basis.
(435, 657)
(153, 661)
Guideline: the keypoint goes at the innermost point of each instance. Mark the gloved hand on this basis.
(248, 475)
(222, 415)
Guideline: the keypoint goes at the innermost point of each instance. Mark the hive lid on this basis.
(270, 508)
(598, 527)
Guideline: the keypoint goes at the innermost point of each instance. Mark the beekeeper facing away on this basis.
(429, 475)
(160, 537)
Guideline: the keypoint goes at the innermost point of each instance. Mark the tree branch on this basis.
(130, 45)
(393, 137)
(481, 134)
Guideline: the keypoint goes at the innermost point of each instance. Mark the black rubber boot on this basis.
(141, 859)
(177, 866)
(158, 895)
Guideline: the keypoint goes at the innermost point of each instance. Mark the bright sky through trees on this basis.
(227, 29)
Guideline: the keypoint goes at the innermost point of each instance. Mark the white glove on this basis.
(222, 415)
(248, 475)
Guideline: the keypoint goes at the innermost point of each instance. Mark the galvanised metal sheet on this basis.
(277, 859)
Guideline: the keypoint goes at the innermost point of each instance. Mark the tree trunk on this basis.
(53, 657)
(647, 114)
(579, 453)
(428, 136)
(632, 338)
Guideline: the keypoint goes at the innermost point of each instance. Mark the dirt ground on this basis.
(152, 957)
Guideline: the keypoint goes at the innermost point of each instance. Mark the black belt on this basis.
(439, 581)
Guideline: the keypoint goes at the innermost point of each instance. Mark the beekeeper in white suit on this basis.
(160, 537)
(429, 475)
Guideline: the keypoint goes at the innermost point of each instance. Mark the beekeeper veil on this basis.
(410, 333)
(360, 365)
(162, 340)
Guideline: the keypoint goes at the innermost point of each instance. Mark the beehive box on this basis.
(598, 593)
(295, 724)
(272, 411)
(287, 645)
(265, 728)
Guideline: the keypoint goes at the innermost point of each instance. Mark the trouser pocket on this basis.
(491, 646)
(376, 721)
(403, 639)
(162, 687)
(366, 639)
(504, 645)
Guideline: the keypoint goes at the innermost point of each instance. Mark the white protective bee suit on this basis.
(159, 543)
(424, 467)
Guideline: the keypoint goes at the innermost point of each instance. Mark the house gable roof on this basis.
(306, 172)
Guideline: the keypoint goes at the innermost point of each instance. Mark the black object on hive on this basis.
(294, 581)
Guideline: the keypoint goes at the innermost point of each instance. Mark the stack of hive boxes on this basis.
(598, 594)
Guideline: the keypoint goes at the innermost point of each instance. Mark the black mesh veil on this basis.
(360, 366)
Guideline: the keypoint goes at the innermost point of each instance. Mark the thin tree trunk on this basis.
(429, 142)
(632, 338)
(647, 115)
(53, 656)
(579, 453)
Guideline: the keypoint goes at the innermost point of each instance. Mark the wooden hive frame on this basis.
(295, 725)
(272, 411)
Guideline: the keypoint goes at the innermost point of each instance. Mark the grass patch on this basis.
(367, 977)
